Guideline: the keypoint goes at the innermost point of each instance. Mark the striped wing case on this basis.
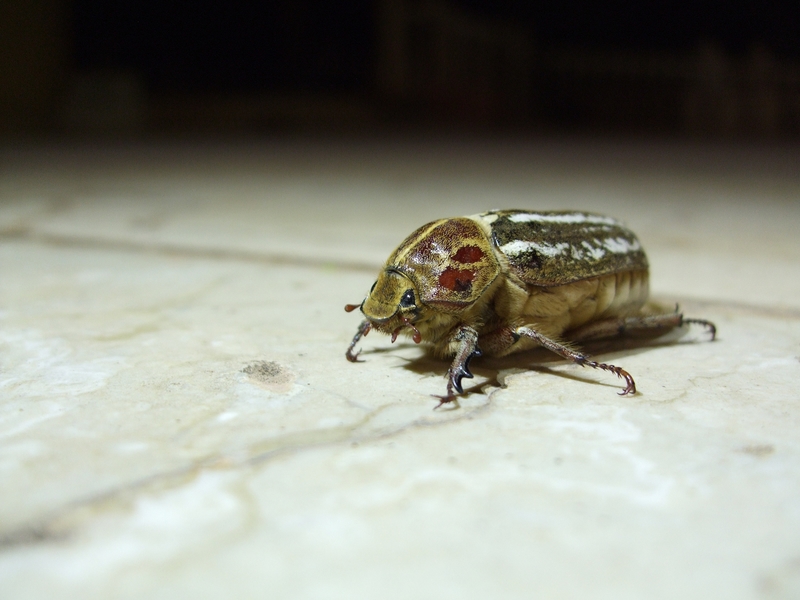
(556, 248)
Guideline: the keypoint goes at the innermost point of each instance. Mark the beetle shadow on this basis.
(540, 359)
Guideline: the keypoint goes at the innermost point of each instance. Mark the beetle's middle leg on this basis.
(466, 341)
(578, 357)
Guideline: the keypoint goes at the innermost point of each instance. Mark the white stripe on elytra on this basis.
(594, 252)
(585, 250)
(620, 245)
(520, 247)
(562, 218)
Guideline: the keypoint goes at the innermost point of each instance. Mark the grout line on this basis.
(223, 254)
(61, 522)
(177, 250)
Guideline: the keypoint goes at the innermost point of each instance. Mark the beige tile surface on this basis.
(177, 418)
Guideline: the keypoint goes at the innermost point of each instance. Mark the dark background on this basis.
(161, 67)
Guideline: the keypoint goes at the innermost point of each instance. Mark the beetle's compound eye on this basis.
(407, 301)
(372, 289)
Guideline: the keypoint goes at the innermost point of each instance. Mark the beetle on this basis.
(504, 281)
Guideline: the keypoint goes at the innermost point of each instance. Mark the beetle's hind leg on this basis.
(710, 327)
(578, 357)
(466, 341)
(609, 328)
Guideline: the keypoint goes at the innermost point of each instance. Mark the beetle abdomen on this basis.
(558, 309)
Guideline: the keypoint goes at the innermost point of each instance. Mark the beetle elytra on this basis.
(509, 280)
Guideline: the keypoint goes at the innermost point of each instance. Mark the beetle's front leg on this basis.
(363, 330)
(465, 339)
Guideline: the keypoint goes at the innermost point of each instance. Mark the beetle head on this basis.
(433, 277)
(392, 303)
(392, 295)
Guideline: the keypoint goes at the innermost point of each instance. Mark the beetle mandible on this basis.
(510, 280)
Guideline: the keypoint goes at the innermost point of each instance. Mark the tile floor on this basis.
(177, 418)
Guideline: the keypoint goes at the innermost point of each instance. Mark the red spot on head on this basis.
(456, 279)
(468, 254)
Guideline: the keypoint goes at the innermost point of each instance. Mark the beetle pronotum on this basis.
(509, 280)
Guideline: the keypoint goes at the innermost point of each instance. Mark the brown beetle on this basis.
(510, 280)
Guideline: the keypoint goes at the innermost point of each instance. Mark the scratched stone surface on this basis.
(177, 418)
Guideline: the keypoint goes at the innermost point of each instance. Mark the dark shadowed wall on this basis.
(147, 67)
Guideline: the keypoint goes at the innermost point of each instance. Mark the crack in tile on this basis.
(182, 251)
(64, 521)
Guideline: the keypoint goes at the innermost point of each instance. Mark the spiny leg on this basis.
(615, 327)
(467, 347)
(710, 327)
(363, 330)
(498, 341)
(578, 357)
